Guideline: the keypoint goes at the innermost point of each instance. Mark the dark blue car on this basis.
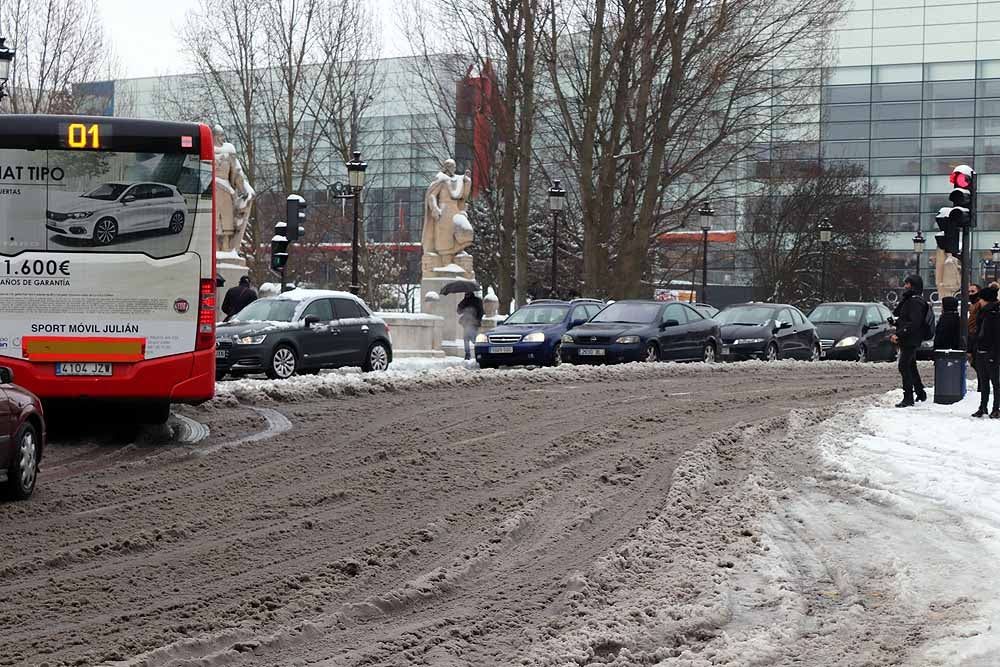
(532, 334)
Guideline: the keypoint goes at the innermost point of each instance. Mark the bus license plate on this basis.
(83, 368)
(501, 350)
(592, 352)
(222, 354)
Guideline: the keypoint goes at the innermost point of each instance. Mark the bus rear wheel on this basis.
(105, 231)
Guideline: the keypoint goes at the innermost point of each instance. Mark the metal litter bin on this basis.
(949, 376)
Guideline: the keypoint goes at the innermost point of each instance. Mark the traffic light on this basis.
(295, 213)
(279, 247)
(963, 196)
(948, 239)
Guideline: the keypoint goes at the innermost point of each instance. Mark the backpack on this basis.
(929, 323)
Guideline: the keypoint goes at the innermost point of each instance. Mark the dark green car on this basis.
(302, 331)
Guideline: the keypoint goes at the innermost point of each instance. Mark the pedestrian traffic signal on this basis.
(963, 196)
(279, 247)
(947, 223)
(295, 210)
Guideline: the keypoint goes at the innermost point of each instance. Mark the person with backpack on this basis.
(914, 321)
(988, 351)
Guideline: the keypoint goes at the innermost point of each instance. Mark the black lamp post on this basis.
(995, 250)
(356, 178)
(825, 234)
(705, 212)
(6, 58)
(557, 199)
(919, 243)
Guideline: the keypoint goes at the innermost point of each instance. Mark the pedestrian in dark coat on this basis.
(974, 304)
(910, 313)
(988, 351)
(470, 317)
(238, 297)
(947, 334)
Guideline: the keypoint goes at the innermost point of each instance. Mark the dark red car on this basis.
(22, 436)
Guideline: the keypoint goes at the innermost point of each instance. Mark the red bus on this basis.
(107, 260)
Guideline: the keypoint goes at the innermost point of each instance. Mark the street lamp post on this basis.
(6, 58)
(557, 199)
(919, 243)
(995, 250)
(825, 234)
(705, 211)
(356, 178)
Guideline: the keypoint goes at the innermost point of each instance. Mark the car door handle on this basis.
(364, 327)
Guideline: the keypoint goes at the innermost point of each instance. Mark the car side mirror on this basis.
(783, 325)
(576, 323)
(872, 325)
(127, 199)
(311, 321)
(669, 323)
(6, 375)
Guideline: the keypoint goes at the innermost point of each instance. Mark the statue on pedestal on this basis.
(233, 195)
(447, 231)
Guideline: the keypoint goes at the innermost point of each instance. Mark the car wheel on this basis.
(557, 355)
(377, 358)
(708, 355)
(176, 223)
(773, 353)
(862, 354)
(105, 231)
(152, 413)
(283, 363)
(817, 353)
(652, 352)
(23, 469)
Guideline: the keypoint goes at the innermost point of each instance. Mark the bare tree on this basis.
(59, 43)
(656, 101)
(784, 245)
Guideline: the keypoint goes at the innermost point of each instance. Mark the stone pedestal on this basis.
(435, 277)
(231, 267)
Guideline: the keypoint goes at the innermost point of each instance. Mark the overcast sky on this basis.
(146, 40)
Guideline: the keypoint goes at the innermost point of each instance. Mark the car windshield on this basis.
(537, 315)
(629, 313)
(267, 310)
(836, 314)
(107, 191)
(752, 316)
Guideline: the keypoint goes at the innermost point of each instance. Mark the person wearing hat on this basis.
(910, 314)
(238, 297)
(947, 333)
(988, 351)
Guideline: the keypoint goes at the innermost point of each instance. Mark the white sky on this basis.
(146, 40)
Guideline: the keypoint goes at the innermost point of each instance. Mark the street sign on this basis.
(340, 190)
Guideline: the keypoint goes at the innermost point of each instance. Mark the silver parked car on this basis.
(112, 209)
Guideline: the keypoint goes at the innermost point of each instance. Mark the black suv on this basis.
(302, 331)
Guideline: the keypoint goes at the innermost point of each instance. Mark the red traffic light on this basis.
(962, 177)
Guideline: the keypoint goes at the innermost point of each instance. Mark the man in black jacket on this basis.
(910, 314)
(947, 334)
(988, 351)
(238, 297)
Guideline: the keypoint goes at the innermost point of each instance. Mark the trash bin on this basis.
(949, 376)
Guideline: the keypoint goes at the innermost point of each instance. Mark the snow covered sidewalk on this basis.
(934, 472)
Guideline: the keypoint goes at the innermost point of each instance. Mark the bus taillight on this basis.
(206, 316)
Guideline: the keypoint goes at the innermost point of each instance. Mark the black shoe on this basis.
(905, 403)
(921, 396)
(995, 414)
(979, 413)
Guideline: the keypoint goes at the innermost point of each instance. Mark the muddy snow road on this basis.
(568, 516)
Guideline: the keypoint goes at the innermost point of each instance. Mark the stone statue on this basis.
(447, 231)
(233, 195)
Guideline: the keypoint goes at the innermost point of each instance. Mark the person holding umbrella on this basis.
(470, 318)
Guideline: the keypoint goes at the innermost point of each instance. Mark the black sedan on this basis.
(643, 331)
(767, 331)
(302, 331)
(854, 331)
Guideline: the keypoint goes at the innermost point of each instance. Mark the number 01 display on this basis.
(85, 136)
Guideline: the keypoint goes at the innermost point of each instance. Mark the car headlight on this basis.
(80, 215)
(481, 338)
(847, 342)
(251, 340)
(627, 340)
(747, 341)
(567, 338)
(534, 337)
